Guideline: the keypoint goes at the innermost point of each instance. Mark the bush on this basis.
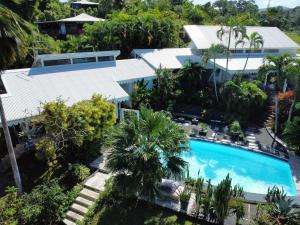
(80, 172)
(236, 130)
(45, 204)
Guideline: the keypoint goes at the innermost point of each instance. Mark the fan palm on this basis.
(146, 149)
(212, 53)
(12, 35)
(255, 41)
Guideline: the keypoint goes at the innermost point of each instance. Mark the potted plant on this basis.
(202, 128)
(184, 197)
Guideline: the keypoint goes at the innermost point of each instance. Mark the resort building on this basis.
(63, 27)
(72, 78)
(84, 4)
(202, 37)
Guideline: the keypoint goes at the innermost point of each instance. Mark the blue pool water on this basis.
(253, 171)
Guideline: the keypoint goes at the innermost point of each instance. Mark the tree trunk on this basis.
(215, 83)
(294, 102)
(228, 50)
(246, 62)
(10, 149)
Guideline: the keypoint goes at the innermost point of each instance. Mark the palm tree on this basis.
(213, 52)
(12, 35)
(144, 150)
(293, 71)
(255, 41)
(232, 30)
(278, 65)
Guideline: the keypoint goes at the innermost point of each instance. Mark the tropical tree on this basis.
(291, 133)
(255, 41)
(13, 32)
(231, 30)
(144, 150)
(141, 94)
(277, 65)
(70, 133)
(293, 71)
(213, 52)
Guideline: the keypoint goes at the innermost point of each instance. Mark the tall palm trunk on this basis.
(248, 55)
(215, 83)
(294, 102)
(228, 51)
(10, 149)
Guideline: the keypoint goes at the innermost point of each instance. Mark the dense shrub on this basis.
(80, 172)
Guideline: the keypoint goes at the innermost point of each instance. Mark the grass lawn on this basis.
(295, 37)
(132, 213)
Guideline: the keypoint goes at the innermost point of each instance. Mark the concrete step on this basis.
(68, 222)
(79, 209)
(97, 181)
(73, 216)
(89, 194)
(83, 201)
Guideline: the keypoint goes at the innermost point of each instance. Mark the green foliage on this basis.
(151, 29)
(164, 92)
(185, 194)
(71, 133)
(291, 133)
(80, 172)
(279, 209)
(9, 205)
(222, 196)
(146, 149)
(236, 130)
(294, 36)
(45, 204)
(56, 11)
(141, 95)
(14, 32)
(244, 99)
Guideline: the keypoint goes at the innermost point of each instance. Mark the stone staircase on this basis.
(87, 197)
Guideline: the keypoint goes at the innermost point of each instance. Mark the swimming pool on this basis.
(253, 171)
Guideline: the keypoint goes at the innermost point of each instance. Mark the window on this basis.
(57, 62)
(271, 51)
(237, 51)
(84, 60)
(253, 51)
(106, 58)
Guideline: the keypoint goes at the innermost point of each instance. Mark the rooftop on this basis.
(203, 36)
(168, 58)
(85, 2)
(81, 18)
(28, 88)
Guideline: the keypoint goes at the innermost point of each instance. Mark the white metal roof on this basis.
(168, 58)
(203, 36)
(82, 18)
(85, 2)
(28, 88)
(237, 64)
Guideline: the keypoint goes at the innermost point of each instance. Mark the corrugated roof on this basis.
(204, 36)
(84, 2)
(82, 18)
(237, 64)
(28, 88)
(168, 58)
